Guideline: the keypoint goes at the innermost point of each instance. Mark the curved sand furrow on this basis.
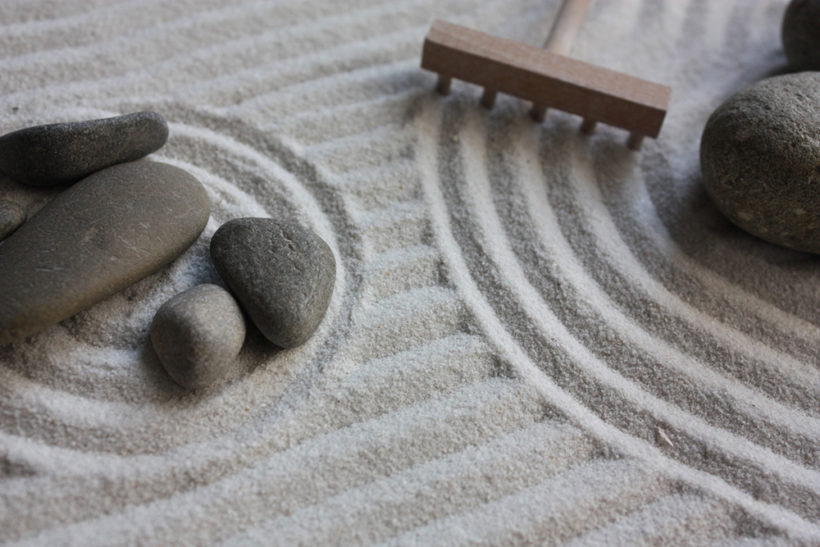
(478, 199)
(590, 225)
(509, 348)
(461, 365)
(437, 427)
(701, 287)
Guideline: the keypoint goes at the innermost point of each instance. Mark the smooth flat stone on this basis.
(800, 32)
(63, 153)
(12, 216)
(281, 272)
(760, 158)
(94, 239)
(197, 336)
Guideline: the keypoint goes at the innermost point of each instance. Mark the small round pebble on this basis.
(197, 336)
(63, 153)
(11, 217)
(760, 158)
(801, 34)
(281, 272)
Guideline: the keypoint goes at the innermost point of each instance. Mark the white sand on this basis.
(534, 337)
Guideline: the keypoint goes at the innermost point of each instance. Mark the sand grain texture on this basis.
(534, 336)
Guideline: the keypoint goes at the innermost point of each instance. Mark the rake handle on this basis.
(565, 26)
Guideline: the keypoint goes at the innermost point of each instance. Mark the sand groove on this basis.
(534, 337)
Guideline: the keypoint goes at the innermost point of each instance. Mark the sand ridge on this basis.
(535, 336)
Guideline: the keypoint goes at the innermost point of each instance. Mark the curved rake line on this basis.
(486, 398)
(300, 90)
(370, 115)
(221, 14)
(207, 54)
(602, 226)
(549, 231)
(542, 316)
(170, 64)
(187, 456)
(75, 23)
(412, 36)
(215, 182)
(781, 414)
(570, 449)
(302, 197)
(164, 65)
(78, 7)
(508, 348)
(772, 314)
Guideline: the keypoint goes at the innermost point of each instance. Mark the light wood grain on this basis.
(559, 40)
(546, 78)
(565, 26)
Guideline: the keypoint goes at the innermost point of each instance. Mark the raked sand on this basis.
(535, 336)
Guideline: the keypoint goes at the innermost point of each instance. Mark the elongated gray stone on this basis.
(96, 238)
(63, 153)
(281, 273)
(11, 217)
(198, 334)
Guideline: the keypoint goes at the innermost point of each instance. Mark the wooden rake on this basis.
(547, 77)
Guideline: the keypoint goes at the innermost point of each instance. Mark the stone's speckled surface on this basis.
(800, 32)
(12, 216)
(94, 239)
(63, 153)
(760, 157)
(282, 274)
(197, 336)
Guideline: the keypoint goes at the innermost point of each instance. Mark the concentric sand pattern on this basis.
(534, 336)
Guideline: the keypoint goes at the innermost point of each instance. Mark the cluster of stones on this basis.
(122, 218)
(760, 150)
(118, 221)
(280, 273)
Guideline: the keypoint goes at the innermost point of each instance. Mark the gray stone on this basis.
(801, 34)
(197, 336)
(94, 239)
(11, 217)
(760, 158)
(63, 153)
(281, 273)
